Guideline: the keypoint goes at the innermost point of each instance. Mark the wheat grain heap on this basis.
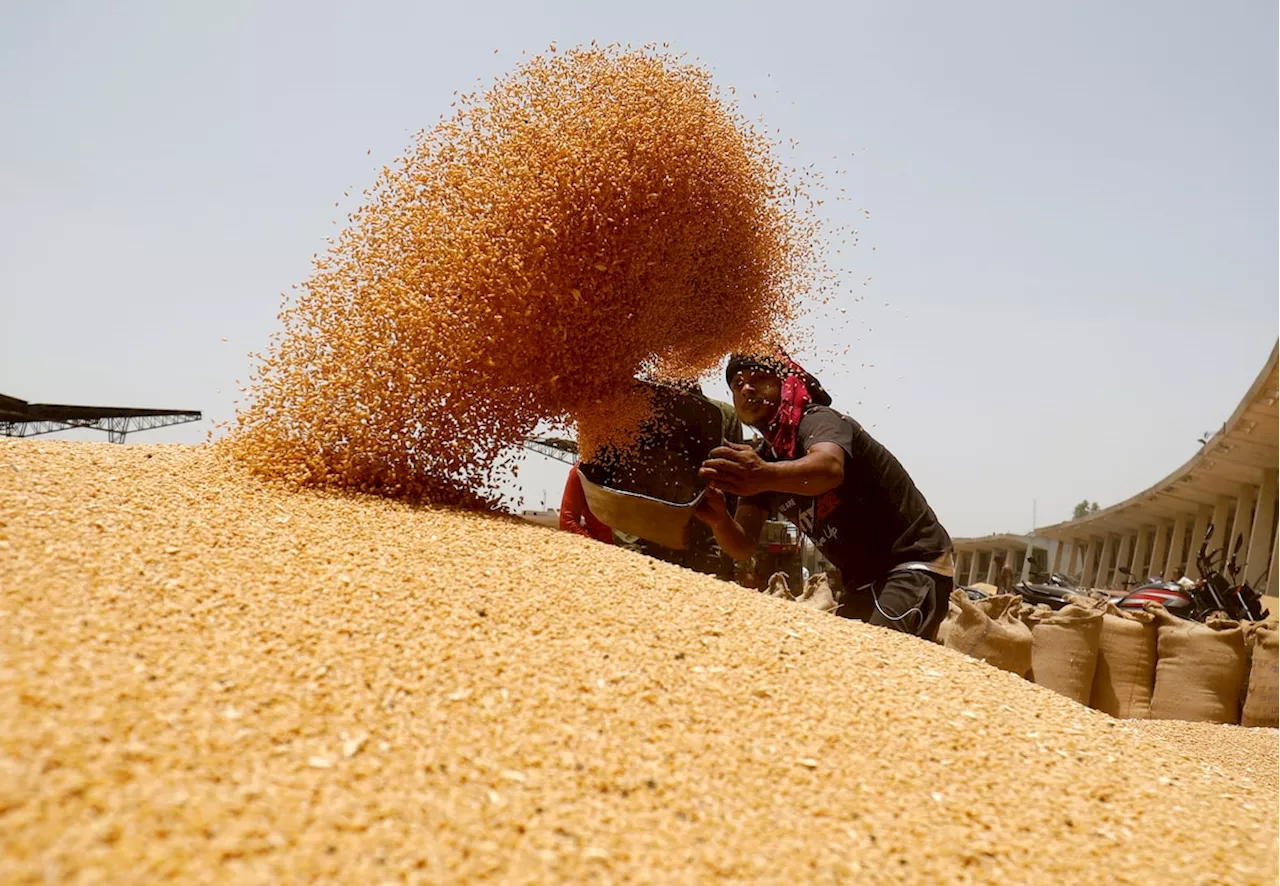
(596, 214)
(205, 677)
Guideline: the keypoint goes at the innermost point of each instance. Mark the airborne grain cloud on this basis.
(596, 214)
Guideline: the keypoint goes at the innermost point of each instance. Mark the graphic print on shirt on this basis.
(811, 515)
(827, 504)
(804, 518)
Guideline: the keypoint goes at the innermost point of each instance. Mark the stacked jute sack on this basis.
(1135, 665)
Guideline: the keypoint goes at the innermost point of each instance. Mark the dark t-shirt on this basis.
(875, 519)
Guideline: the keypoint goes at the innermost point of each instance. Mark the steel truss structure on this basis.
(554, 447)
(18, 418)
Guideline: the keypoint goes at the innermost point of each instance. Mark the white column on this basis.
(1221, 510)
(1273, 587)
(1159, 547)
(1263, 518)
(1122, 559)
(1138, 562)
(1102, 576)
(973, 568)
(1243, 522)
(1090, 563)
(1177, 547)
(991, 568)
(1068, 554)
(1055, 561)
(1197, 537)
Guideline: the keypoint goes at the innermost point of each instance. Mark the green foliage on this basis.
(1084, 509)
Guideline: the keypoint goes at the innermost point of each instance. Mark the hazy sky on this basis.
(1073, 206)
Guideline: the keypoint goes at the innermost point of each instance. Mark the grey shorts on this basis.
(913, 601)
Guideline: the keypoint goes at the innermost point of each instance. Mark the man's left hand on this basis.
(736, 468)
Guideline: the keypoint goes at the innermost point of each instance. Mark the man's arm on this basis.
(740, 470)
(736, 535)
(819, 470)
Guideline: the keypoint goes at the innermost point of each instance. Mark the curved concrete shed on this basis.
(1230, 482)
(976, 557)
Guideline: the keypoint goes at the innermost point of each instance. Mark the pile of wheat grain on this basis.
(207, 678)
(597, 213)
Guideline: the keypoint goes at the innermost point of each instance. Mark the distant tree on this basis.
(1084, 509)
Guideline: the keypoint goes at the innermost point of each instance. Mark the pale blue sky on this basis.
(1073, 205)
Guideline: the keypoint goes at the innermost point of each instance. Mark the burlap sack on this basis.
(953, 612)
(779, 586)
(990, 630)
(1031, 613)
(1199, 669)
(1088, 599)
(1064, 650)
(817, 594)
(1263, 696)
(1249, 629)
(1126, 671)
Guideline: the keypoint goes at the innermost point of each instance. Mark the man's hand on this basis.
(713, 509)
(736, 468)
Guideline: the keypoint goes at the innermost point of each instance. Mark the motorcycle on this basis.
(1249, 601)
(1050, 588)
(1197, 600)
(1176, 596)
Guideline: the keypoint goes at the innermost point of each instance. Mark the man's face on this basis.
(756, 396)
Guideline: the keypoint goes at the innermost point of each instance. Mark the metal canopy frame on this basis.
(554, 447)
(18, 418)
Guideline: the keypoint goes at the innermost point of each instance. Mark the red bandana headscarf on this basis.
(781, 432)
(799, 390)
